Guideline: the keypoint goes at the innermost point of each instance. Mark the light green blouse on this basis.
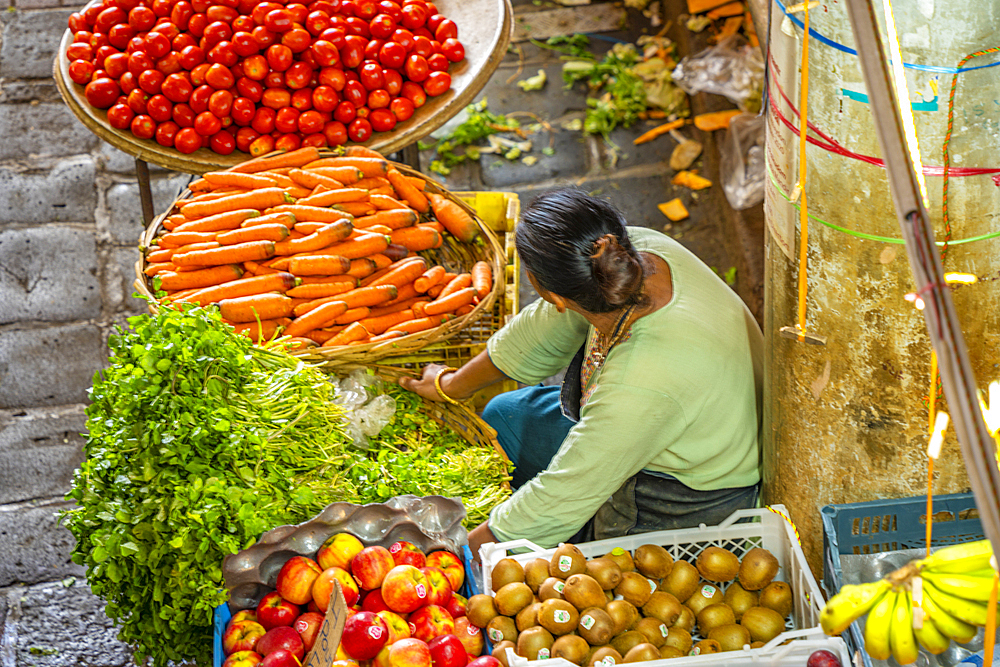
(680, 396)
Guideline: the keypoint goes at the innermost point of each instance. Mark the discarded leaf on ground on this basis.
(691, 180)
(698, 23)
(658, 131)
(684, 155)
(673, 209)
(716, 120)
(536, 82)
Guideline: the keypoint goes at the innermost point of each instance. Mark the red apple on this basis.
(431, 621)
(470, 636)
(451, 565)
(344, 662)
(370, 566)
(281, 658)
(440, 585)
(323, 587)
(282, 638)
(242, 659)
(407, 553)
(274, 611)
(364, 635)
(374, 602)
(308, 625)
(312, 606)
(485, 661)
(447, 651)
(242, 636)
(405, 589)
(398, 627)
(457, 605)
(410, 653)
(295, 580)
(823, 659)
(245, 615)
(339, 551)
(382, 659)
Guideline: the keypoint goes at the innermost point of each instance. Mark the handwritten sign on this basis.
(328, 641)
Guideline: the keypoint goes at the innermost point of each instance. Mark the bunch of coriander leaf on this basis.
(198, 442)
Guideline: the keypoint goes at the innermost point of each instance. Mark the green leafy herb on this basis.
(575, 46)
(480, 123)
(619, 95)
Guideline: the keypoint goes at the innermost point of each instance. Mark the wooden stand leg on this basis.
(411, 156)
(145, 194)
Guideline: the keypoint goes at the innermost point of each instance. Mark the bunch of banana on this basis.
(946, 604)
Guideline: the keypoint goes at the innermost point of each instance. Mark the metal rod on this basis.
(943, 327)
(145, 194)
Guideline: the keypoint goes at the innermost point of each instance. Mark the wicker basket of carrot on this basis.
(349, 257)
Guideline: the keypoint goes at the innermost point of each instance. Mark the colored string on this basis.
(804, 206)
(784, 516)
(991, 623)
(932, 395)
(947, 144)
(930, 501)
(823, 39)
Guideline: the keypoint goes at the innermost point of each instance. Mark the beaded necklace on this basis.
(600, 347)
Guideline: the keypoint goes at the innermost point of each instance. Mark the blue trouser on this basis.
(530, 427)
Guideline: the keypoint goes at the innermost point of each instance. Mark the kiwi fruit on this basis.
(558, 616)
(513, 597)
(686, 621)
(642, 653)
(777, 595)
(682, 581)
(507, 571)
(756, 644)
(551, 588)
(480, 609)
(572, 648)
(713, 616)
(535, 572)
(535, 643)
(624, 642)
(662, 606)
(597, 626)
(670, 652)
(706, 646)
(654, 629)
(757, 569)
(705, 595)
(605, 571)
(653, 561)
(501, 628)
(731, 637)
(678, 639)
(500, 651)
(740, 599)
(718, 564)
(527, 617)
(566, 561)
(764, 624)
(622, 558)
(634, 588)
(583, 591)
(624, 616)
(606, 655)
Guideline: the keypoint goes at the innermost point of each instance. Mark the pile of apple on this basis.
(403, 610)
(260, 75)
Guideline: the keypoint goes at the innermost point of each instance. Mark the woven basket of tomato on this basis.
(351, 257)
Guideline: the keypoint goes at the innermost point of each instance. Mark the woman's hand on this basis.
(479, 536)
(424, 386)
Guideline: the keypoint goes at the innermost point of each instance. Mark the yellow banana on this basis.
(962, 585)
(960, 558)
(877, 627)
(930, 637)
(850, 604)
(902, 641)
(952, 628)
(966, 611)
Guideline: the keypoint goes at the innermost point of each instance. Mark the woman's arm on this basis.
(461, 384)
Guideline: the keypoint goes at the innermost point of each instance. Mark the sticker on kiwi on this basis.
(617, 551)
(695, 651)
(652, 585)
(560, 616)
(619, 597)
(708, 591)
(559, 586)
(664, 630)
(565, 563)
(544, 654)
(587, 621)
(421, 591)
(607, 661)
(495, 635)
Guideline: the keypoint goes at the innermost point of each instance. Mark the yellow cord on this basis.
(803, 209)
(991, 623)
(930, 501)
(932, 395)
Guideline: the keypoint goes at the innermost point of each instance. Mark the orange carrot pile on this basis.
(318, 248)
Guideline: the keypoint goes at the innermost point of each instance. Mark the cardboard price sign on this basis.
(324, 651)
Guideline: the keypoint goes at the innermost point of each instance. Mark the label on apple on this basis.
(708, 591)
(560, 616)
(565, 563)
(543, 654)
(664, 630)
(396, 546)
(652, 585)
(587, 622)
(559, 586)
(495, 635)
(472, 630)
(421, 591)
(375, 632)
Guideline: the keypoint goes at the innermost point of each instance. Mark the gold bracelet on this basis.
(437, 385)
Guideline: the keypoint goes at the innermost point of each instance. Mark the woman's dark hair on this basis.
(576, 246)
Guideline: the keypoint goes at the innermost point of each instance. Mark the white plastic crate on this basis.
(741, 531)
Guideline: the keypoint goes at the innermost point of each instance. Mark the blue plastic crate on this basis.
(890, 525)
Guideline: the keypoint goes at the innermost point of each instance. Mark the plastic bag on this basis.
(364, 418)
(741, 165)
(731, 68)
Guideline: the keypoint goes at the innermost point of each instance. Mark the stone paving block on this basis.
(49, 366)
(39, 449)
(27, 91)
(549, 103)
(64, 193)
(34, 547)
(569, 159)
(48, 273)
(30, 40)
(32, 130)
(120, 162)
(652, 152)
(125, 209)
(122, 265)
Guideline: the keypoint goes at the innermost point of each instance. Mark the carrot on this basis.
(482, 278)
(179, 295)
(335, 197)
(416, 239)
(319, 290)
(183, 238)
(448, 303)
(158, 256)
(394, 219)
(433, 224)
(259, 199)
(329, 280)
(353, 315)
(346, 175)
(310, 179)
(286, 219)
(219, 179)
(658, 130)
(369, 296)
(414, 197)
(362, 247)
(281, 180)
(381, 230)
(361, 267)
(418, 183)
(272, 232)
(295, 192)
(459, 282)
(435, 291)
(201, 278)
(392, 267)
(321, 238)
(362, 151)
(320, 336)
(356, 208)
(369, 166)
(455, 219)
(219, 222)
(295, 158)
(396, 252)
(308, 227)
(380, 324)
(265, 330)
(372, 183)
(310, 213)
(404, 293)
(394, 308)
(173, 221)
(385, 191)
(384, 203)
(464, 310)
(158, 267)
(319, 265)
(351, 333)
(201, 185)
(276, 282)
(309, 305)
(255, 306)
(421, 324)
(429, 279)
(241, 252)
(259, 269)
(191, 247)
(403, 275)
(418, 308)
(316, 318)
(389, 335)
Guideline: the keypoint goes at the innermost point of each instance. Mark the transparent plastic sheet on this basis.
(741, 164)
(365, 418)
(732, 68)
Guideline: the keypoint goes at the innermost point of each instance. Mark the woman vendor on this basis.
(656, 425)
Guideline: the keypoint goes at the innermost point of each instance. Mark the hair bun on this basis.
(617, 271)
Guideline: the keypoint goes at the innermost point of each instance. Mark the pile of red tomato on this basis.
(257, 76)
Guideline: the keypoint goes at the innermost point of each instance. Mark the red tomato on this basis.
(401, 108)
(363, 112)
(378, 99)
(143, 127)
(264, 37)
(116, 64)
(382, 26)
(243, 24)
(414, 16)
(324, 53)
(298, 76)
(317, 140)
(166, 132)
(310, 122)
(200, 6)
(287, 142)
(302, 99)
(223, 54)
(199, 98)
(431, 9)
(139, 62)
(423, 32)
(80, 51)
(317, 22)
(261, 145)
(102, 93)
(297, 39)
(348, 7)
(127, 81)
(438, 63)
(366, 9)
(263, 120)
(287, 120)
(244, 137)
(243, 111)
(434, 21)
(250, 89)
(170, 63)
(355, 93)
(279, 57)
(187, 140)
(360, 130)
(453, 50)
(255, 67)
(198, 74)
(222, 143)
(335, 133)
(177, 88)
(81, 71)
(333, 77)
(261, 9)
(335, 36)
(372, 49)
(353, 51)
(136, 100)
(168, 29)
(221, 103)
(447, 29)
(274, 80)
(120, 35)
(345, 112)
(99, 39)
(278, 20)
(437, 83)
(356, 26)
(159, 108)
(108, 18)
(82, 36)
(276, 98)
(120, 116)
(219, 77)
(392, 9)
(217, 31)
(161, 8)
(371, 75)
(325, 98)
(183, 115)
(157, 45)
(330, 7)
(393, 81)
(77, 22)
(422, 47)
(90, 14)
(197, 24)
(206, 124)
(404, 38)
(244, 45)
(414, 93)
(180, 14)
(382, 120)
(104, 52)
(416, 68)
(298, 11)
(192, 56)
(182, 41)
(221, 13)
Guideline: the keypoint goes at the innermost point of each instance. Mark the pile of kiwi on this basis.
(624, 607)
